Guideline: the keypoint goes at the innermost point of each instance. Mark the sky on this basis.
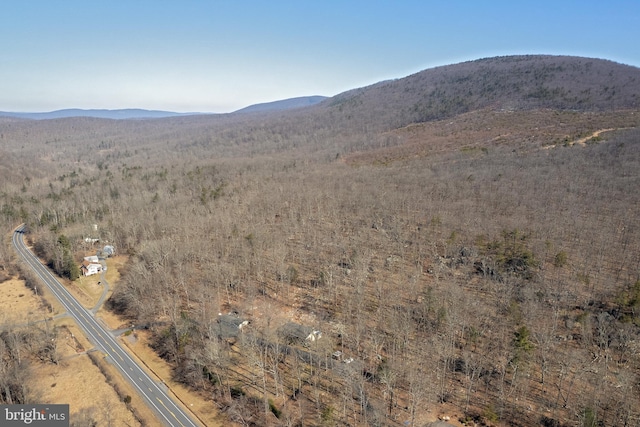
(218, 56)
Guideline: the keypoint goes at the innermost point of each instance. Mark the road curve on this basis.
(154, 394)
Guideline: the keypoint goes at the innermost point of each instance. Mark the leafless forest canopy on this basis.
(467, 237)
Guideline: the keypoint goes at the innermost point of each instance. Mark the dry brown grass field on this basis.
(19, 305)
(74, 379)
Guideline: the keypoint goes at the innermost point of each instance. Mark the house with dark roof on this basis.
(229, 326)
(294, 333)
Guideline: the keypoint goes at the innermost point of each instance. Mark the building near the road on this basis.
(91, 266)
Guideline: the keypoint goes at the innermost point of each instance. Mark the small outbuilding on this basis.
(92, 258)
(108, 251)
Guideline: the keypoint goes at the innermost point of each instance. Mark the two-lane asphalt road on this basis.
(154, 394)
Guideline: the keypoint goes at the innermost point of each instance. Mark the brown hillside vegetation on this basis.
(488, 128)
(451, 264)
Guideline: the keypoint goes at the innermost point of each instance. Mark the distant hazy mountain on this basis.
(129, 113)
(136, 113)
(285, 104)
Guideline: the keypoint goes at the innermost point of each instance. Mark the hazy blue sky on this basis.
(218, 56)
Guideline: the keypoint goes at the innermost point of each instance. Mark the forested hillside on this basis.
(466, 240)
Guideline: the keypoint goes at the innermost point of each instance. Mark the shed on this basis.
(108, 251)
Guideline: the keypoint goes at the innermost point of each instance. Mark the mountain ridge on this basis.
(140, 113)
(284, 104)
(101, 113)
(519, 82)
(510, 82)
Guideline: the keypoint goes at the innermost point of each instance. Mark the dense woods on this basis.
(463, 242)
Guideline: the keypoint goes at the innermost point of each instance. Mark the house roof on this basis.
(87, 263)
(295, 331)
(229, 325)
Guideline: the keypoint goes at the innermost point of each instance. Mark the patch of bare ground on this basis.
(483, 129)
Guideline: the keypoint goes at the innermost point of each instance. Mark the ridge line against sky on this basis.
(218, 56)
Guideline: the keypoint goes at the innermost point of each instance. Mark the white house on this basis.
(89, 268)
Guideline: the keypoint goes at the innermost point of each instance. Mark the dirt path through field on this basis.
(582, 141)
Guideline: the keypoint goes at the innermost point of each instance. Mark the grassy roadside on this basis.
(90, 389)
